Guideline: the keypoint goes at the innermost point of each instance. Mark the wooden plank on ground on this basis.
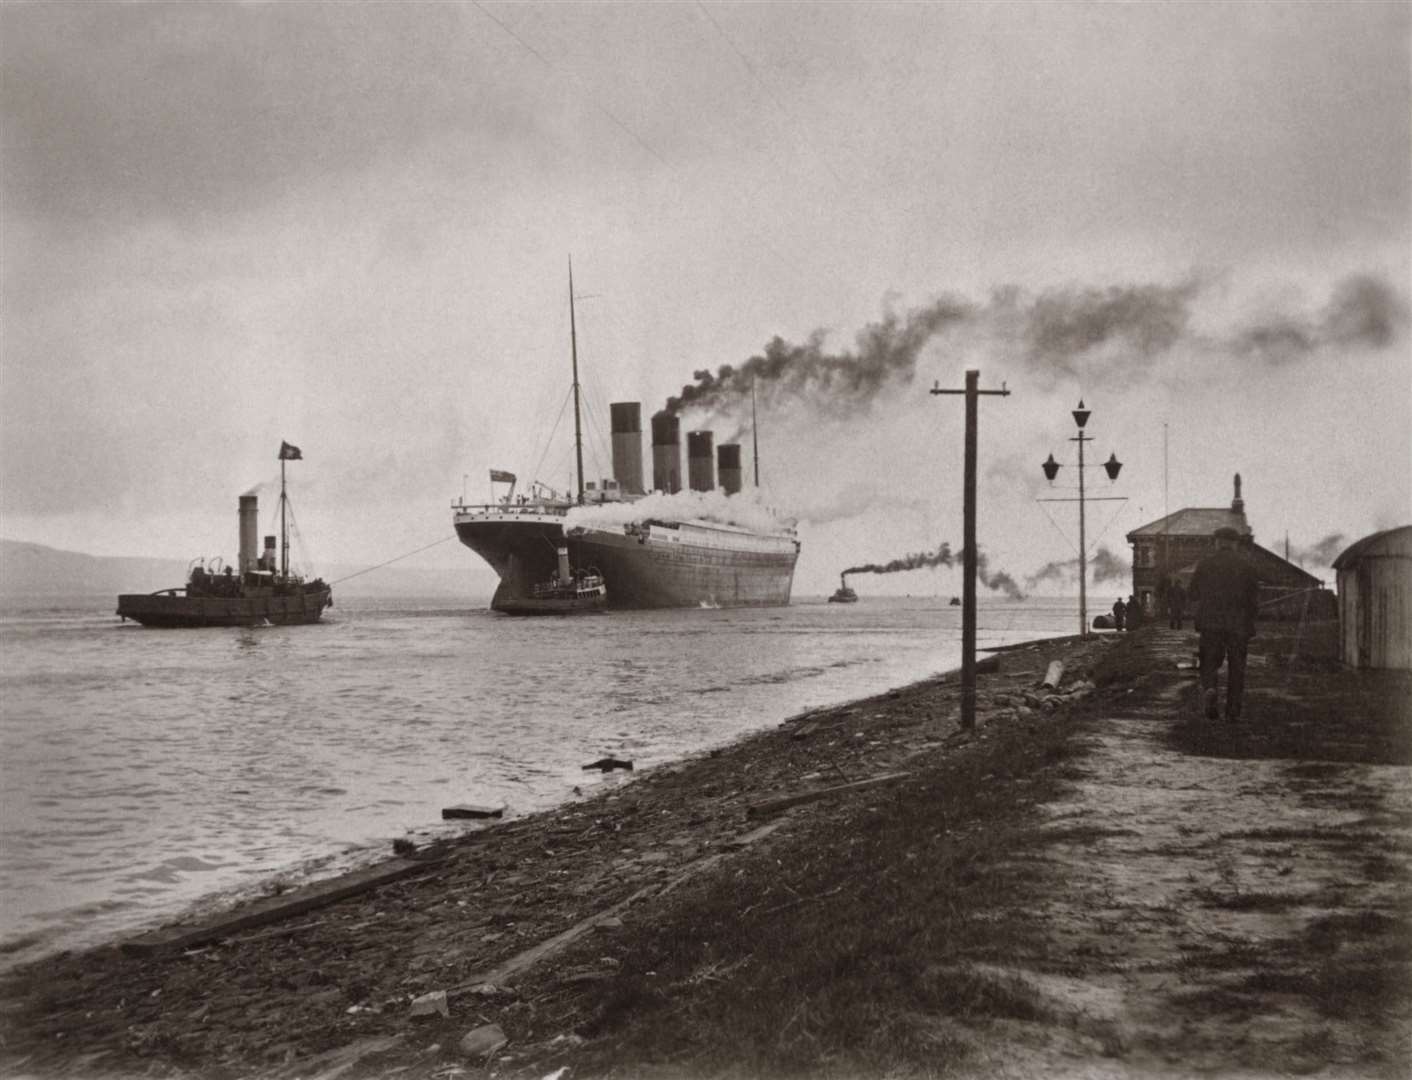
(275, 908)
(771, 806)
(471, 810)
(504, 973)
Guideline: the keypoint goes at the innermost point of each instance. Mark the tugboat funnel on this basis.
(564, 564)
(249, 532)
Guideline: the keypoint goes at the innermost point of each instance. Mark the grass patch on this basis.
(868, 942)
(1249, 901)
(1082, 834)
(1339, 990)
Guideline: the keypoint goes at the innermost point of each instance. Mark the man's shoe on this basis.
(1208, 701)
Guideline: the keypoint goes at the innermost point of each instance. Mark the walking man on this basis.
(1176, 605)
(1226, 590)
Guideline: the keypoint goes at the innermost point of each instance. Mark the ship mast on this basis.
(283, 525)
(574, 352)
(754, 435)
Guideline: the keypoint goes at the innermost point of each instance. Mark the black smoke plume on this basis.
(1104, 565)
(1322, 553)
(1363, 312)
(836, 383)
(1121, 332)
(922, 560)
(999, 581)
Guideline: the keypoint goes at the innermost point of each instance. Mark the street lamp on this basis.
(1051, 469)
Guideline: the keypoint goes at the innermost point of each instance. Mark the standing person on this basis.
(1226, 590)
(1176, 605)
(1120, 614)
(1134, 613)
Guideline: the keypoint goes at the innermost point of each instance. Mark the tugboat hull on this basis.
(171, 608)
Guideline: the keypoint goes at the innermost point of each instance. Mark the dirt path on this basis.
(1209, 909)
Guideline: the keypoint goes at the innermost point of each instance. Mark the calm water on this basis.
(143, 769)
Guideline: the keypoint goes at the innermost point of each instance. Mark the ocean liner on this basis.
(709, 546)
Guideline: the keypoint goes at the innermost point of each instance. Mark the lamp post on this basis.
(1051, 469)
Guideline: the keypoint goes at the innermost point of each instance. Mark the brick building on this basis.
(1169, 548)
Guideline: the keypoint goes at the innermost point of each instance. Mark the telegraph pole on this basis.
(968, 552)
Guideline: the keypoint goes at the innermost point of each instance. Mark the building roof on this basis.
(1271, 568)
(1390, 543)
(1195, 521)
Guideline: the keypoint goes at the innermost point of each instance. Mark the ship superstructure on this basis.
(710, 546)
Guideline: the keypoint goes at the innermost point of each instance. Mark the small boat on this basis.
(843, 594)
(260, 592)
(568, 592)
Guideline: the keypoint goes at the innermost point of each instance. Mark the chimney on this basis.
(700, 461)
(249, 530)
(1237, 503)
(728, 467)
(627, 445)
(666, 453)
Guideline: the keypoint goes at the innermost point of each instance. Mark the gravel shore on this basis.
(1093, 882)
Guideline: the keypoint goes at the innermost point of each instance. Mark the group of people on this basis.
(1132, 613)
(1225, 591)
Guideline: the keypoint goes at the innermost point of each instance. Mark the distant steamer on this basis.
(666, 557)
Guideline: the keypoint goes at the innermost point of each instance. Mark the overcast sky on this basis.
(349, 226)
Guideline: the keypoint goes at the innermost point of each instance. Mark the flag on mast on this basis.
(289, 452)
(500, 476)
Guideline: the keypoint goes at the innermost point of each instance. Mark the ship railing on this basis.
(518, 509)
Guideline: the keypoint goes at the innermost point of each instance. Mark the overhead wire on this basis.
(634, 136)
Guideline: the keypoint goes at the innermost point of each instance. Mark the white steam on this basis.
(745, 510)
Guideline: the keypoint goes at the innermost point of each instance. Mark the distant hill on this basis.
(36, 570)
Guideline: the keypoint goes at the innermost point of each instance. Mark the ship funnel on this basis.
(627, 446)
(700, 461)
(728, 467)
(666, 453)
(249, 531)
(269, 560)
(563, 564)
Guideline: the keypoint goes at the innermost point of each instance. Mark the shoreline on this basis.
(28, 946)
(862, 889)
(677, 813)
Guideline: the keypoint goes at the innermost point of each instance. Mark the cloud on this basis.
(131, 112)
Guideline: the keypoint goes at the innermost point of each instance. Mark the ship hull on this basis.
(656, 566)
(169, 610)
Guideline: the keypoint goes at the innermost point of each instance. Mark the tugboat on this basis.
(261, 591)
(843, 594)
(568, 592)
